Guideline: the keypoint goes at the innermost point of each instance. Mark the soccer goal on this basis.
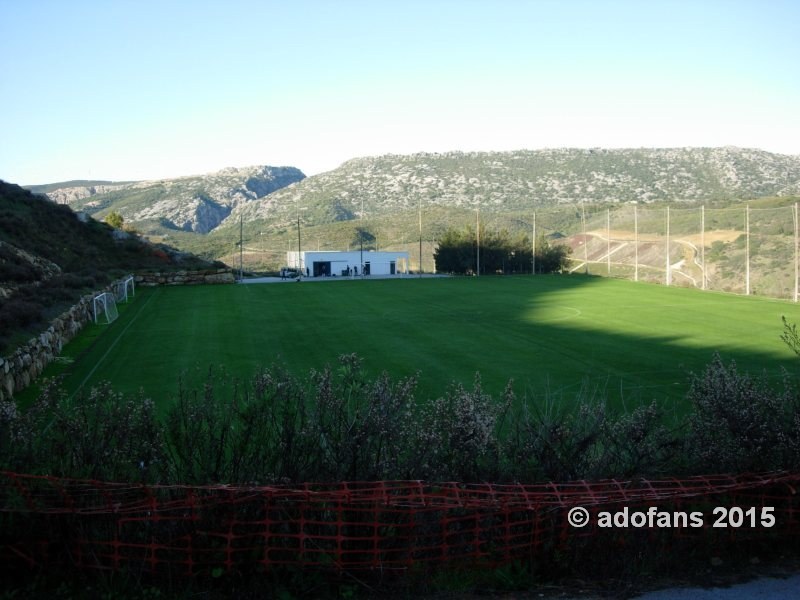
(105, 308)
(124, 289)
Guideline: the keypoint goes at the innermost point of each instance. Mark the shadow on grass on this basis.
(557, 337)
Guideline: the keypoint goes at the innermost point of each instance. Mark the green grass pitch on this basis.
(552, 334)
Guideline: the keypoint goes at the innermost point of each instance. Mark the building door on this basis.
(366, 268)
(392, 267)
(322, 269)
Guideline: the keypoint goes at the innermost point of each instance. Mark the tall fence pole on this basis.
(636, 242)
(703, 244)
(420, 237)
(668, 271)
(747, 250)
(796, 252)
(608, 241)
(585, 240)
(533, 246)
(478, 242)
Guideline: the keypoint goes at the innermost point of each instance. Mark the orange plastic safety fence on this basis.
(386, 525)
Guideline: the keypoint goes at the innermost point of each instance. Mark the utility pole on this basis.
(241, 247)
(669, 269)
(608, 242)
(299, 253)
(747, 250)
(796, 250)
(636, 243)
(703, 243)
(533, 246)
(585, 239)
(478, 242)
(419, 202)
(361, 235)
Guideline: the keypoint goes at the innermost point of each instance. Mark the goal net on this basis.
(124, 289)
(104, 308)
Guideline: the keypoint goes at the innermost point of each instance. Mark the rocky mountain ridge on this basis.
(524, 179)
(273, 197)
(71, 195)
(195, 203)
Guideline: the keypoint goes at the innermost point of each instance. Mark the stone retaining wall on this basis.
(20, 369)
(186, 277)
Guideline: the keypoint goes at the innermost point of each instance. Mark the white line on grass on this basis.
(574, 314)
(114, 343)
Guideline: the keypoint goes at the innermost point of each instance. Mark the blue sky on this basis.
(142, 90)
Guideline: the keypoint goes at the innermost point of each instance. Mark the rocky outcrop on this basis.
(19, 267)
(70, 195)
(199, 214)
(197, 204)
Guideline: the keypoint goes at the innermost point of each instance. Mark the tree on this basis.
(456, 253)
(115, 219)
(551, 258)
(365, 237)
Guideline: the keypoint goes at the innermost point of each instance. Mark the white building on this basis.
(339, 264)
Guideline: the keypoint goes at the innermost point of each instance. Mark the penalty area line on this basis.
(113, 344)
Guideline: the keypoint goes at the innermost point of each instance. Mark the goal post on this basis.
(124, 289)
(104, 308)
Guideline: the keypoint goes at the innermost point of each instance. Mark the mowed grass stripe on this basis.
(550, 334)
(116, 337)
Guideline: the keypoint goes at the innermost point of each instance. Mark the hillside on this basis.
(385, 185)
(49, 257)
(196, 204)
(507, 181)
(89, 187)
(383, 194)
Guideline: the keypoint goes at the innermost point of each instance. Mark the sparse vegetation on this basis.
(385, 195)
(340, 424)
(49, 258)
(349, 422)
(741, 424)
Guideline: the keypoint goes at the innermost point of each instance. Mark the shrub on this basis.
(97, 435)
(18, 312)
(790, 336)
(458, 434)
(115, 219)
(364, 429)
(14, 268)
(738, 423)
(339, 424)
(226, 433)
(276, 428)
(558, 444)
